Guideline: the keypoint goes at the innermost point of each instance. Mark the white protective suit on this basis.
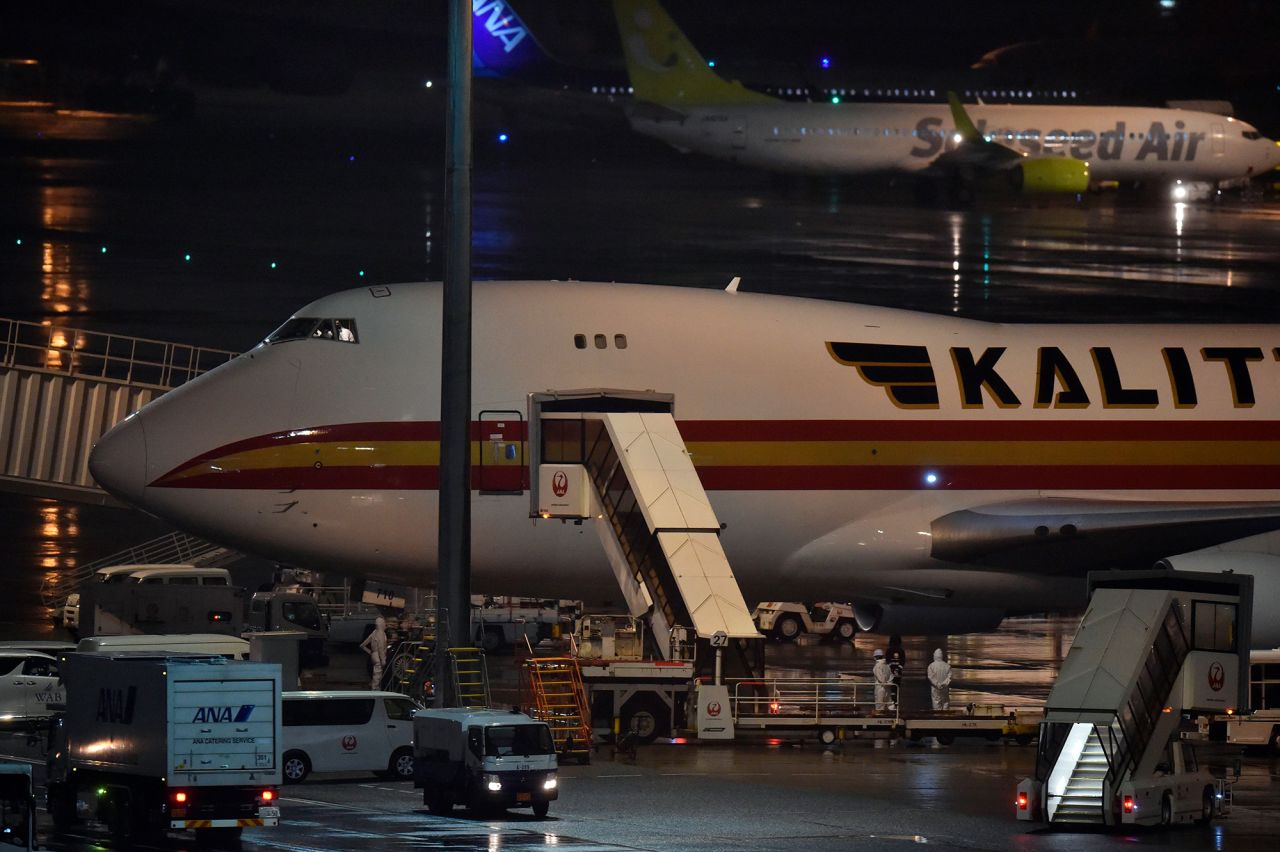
(940, 681)
(375, 645)
(884, 679)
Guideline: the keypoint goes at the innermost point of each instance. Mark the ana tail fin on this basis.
(501, 44)
(664, 67)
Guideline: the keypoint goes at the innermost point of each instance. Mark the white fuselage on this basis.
(826, 462)
(1119, 143)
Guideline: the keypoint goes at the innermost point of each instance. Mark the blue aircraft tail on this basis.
(501, 44)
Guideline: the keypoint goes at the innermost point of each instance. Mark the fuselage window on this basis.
(602, 342)
(620, 341)
(580, 341)
(1250, 134)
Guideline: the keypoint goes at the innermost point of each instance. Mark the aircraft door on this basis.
(501, 466)
(1219, 139)
(738, 132)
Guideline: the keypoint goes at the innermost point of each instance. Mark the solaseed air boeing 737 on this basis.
(939, 472)
(1040, 148)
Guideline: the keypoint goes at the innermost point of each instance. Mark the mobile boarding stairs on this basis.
(618, 457)
(1153, 648)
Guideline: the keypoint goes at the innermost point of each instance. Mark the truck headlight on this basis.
(492, 783)
(550, 783)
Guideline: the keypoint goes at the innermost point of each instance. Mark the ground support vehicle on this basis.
(1259, 724)
(346, 731)
(498, 627)
(126, 608)
(788, 621)
(989, 721)
(485, 759)
(167, 742)
(1179, 790)
(17, 807)
(643, 698)
(272, 611)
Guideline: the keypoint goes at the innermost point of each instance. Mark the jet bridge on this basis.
(630, 471)
(1153, 647)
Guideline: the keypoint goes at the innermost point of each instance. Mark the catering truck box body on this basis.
(161, 742)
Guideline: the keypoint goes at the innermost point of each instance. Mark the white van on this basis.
(231, 647)
(121, 573)
(346, 731)
(183, 575)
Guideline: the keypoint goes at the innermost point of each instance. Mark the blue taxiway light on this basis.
(825, 62)
(502, 138)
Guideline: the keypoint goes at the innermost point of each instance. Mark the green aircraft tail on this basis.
(664, 67)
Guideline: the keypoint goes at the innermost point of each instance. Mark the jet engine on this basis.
(1264, 567)
(910, 620)
(1043, 175)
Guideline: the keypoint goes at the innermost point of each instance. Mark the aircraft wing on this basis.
(1063, 535)
(975, 154)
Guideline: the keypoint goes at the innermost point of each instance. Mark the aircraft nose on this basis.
(119, 460)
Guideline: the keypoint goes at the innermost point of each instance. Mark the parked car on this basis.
(28, 685)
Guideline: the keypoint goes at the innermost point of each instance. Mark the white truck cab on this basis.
(485, 759)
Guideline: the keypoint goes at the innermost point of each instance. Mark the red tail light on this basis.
(1022, 801)
(180, 797)
(1128, 804)
(268, 795)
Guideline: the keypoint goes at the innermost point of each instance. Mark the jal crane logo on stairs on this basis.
(1217, 677)
(560, 483)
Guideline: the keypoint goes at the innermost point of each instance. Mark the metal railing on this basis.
(172, 549)
(106, 357)
(810, 700)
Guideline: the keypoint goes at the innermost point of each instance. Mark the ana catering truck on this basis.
(153, 743)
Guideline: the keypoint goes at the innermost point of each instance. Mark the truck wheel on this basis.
(540, 809)
(646, 715)
(295, 767)
(1166, 809)
(491, 641)
(1206, 805)
(788, 628)
(845, 631)
(401, 766)
(946, 739)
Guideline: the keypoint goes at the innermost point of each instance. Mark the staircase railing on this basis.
(175, 548)
(639, 545)
(1130, 734)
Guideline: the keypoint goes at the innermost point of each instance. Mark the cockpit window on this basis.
(1250, 134)
(298, 328)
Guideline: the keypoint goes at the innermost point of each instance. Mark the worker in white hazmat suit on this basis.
(375, 645)
(883, 676)
(940, 681)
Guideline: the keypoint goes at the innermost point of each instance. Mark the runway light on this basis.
(711, 63)
(104, 249)
(273, 264)
(428, 84)
(187, 258)
(825, 62)
(19, 240)
(361, 273)
(835, 99)
(502, 138)
(351, 158)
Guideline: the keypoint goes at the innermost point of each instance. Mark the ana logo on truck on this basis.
(205, 715)
(116, 705)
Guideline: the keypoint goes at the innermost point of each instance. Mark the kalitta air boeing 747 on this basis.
(1039, 148)
(940, 472)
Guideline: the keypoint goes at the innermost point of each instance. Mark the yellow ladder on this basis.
(470, 677)
(560, 700)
